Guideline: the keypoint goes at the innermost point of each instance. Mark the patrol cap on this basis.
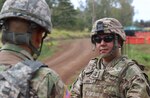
(108, 25)
(36, 11)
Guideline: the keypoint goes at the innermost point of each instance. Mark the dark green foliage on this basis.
(1, 3)
(119, 9)
(64, 16)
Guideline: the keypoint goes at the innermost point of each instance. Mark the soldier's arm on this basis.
(76, 89)
(60, 90)
(47, 84)
(137, 83)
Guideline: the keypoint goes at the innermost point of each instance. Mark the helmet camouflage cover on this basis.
(108, 25)
(33, 10)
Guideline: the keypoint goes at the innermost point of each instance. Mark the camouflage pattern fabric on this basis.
(97, 81)
(34, 10)
(45, 83)
(108, 25)
(14, 81)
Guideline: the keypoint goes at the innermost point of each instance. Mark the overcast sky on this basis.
(142, 9)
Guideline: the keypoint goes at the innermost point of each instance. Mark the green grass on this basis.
(65, 34)
(48, 49)
(140, 53)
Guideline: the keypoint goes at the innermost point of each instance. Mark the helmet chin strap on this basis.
(93, 47)
(24, 38)
(37, 52)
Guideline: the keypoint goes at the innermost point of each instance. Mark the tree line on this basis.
(65, 16)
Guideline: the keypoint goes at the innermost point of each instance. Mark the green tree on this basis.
(120, 9)
(1, 3)
(64, 15)
(80, 20)
(126, 12)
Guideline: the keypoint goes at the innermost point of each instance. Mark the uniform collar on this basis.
(101, 65)
(17, 50)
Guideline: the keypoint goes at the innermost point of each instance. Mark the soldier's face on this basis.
(104, 44)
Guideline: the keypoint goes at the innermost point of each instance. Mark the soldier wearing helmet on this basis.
(25, 24)
(111, 74)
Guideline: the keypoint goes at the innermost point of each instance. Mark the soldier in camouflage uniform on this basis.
(111, 75)
(25, 24)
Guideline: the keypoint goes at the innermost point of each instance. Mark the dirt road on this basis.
(71, 58)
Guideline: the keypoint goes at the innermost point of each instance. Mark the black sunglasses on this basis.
(108, 38)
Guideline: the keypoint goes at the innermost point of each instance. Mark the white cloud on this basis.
(76, 2)
(142, 9)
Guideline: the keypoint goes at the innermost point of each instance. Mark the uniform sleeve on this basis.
(137, 85)
(77, 87)
(48, 84)
(59, 90)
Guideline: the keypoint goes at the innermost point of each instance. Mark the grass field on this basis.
(140, 53)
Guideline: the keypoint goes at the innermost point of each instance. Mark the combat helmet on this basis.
(107, 25)
(37, 12)
(33, 10)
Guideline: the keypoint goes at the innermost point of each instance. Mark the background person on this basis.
(111, 75)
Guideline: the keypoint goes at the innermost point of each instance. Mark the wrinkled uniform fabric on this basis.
(97, 81)
(45, 82)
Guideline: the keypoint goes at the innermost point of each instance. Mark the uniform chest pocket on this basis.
(94, 76)
(98, 91)
(112, 76)
(92, 90)
(101, 83)
(111, 79)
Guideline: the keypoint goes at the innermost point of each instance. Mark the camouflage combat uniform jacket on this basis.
(45, 83)
(121, 78)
